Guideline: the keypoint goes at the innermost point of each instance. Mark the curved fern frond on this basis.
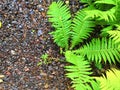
(102, 15)
(59, 15)
(111, 81)
(106, 2)
(97, 50)
(81, 28)
(79, 72)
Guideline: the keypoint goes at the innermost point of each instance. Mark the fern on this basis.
(112, 2)
(97, 50)
(115, 35)
(79, 72)
(59, 15)
(117, 13)
(104, 31)
(68, 31)
(102, 15)
(81, 28)
(111, 81)
(103, 10)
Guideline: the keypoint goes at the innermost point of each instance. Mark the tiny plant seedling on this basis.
(44, 58)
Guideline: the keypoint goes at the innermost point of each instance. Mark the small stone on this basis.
(39, 33)
(40, 1)
(2, 76)
(12, 52)
(14, 22)
(40, 8)
(1, 80)
(26, 69)
(1, 88)
(46, 86)
(31, 11)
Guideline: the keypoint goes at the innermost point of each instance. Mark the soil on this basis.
(24, 38)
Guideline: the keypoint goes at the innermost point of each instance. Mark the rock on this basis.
(13, 52)
(39, 33)
(2, 76)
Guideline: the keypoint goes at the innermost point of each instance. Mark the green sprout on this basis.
(33, 30)
(44, 58)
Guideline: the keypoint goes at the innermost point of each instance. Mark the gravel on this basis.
(23, 39)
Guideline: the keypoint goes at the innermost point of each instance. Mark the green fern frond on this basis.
(59, 15)
(104, 31)
(81, 28)
(106, 2)
(102, 15)
(79, 72)
(97, 50)
(115, 35)
(111, 81)
(108, 10)
(117, 13)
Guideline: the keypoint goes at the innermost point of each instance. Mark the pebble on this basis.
(13, 52)
(39, 33)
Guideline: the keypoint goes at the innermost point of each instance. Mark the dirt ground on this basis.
(23, 39)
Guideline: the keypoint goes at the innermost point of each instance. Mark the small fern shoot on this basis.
(97, 50)
(111, 81)
(79, 72)
(59, 15)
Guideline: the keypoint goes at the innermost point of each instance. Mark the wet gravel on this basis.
(23, 39)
